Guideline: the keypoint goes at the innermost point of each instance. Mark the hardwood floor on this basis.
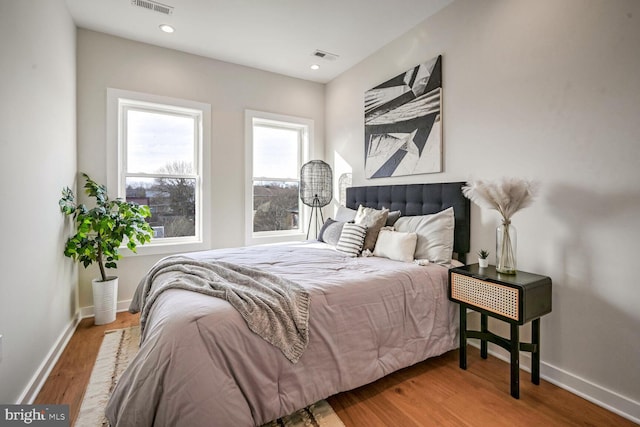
(70, 376)
(435, 392)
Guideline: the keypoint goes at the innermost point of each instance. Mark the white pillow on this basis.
(351, 239)
(435, 235)
(345, 214)
(396, 245)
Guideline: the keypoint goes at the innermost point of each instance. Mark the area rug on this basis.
(118, 349)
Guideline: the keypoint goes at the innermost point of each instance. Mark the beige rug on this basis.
(120, 346)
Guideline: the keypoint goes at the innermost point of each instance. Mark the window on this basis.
(160, 156)
(277, 146)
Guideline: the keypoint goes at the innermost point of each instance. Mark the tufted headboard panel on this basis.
(420, 199)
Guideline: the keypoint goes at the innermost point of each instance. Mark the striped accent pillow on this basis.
(351, 239)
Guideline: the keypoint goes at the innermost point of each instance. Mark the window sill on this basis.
(166, 248)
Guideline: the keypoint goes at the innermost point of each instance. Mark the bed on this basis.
(201, 363)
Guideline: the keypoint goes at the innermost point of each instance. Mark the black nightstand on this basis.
(514, 298)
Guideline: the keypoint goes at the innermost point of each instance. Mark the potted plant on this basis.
(99, 233)
(483, 254)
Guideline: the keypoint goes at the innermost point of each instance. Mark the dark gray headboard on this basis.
(420, 199)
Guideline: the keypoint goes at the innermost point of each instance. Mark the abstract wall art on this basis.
(403, 123)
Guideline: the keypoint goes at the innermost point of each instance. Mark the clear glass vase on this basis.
(506, 244)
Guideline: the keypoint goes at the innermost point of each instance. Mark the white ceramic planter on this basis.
(105, 299)
(484, 263)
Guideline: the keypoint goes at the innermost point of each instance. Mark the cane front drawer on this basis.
(517, 298)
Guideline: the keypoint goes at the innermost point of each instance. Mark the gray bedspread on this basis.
(200, 365)
(275, 308)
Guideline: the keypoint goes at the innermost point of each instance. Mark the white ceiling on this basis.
(273, 35)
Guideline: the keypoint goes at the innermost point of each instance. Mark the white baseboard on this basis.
(34, 385)
(594, 393)
(88, 311)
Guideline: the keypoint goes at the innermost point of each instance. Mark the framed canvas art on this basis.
(403, 123)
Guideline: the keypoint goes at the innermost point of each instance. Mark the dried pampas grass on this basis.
(507, 195)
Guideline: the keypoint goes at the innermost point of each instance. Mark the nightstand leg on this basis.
(535, 355)
(515, 361)
(484, 329)
(463, 336)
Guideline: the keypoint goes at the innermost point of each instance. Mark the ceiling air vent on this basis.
(324, 55)
(153, 6)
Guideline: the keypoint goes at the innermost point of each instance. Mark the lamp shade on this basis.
(344, 182)
(316, 187)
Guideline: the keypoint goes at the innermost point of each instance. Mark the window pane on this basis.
(172, 204)
(275, 205)
(275, 152)
(158, 142)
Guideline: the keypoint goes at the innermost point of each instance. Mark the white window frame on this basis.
(118, 102)
(305, 126)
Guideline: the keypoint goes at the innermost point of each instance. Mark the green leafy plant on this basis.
(101, 230)
(483, 254)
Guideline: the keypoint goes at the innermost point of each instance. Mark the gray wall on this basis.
(550, 91)
(545, 90)
(37, 159)
(105, 61)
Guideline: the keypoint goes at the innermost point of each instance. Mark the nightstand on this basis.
(514, 298)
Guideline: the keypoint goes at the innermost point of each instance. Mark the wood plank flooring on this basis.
(70, 376)
(435, 392)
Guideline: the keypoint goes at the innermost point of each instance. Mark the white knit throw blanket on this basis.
(275, 308)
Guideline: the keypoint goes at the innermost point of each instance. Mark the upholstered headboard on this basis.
(420, 199)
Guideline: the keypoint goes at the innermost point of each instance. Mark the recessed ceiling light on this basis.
(315, 67)
(167, 28)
